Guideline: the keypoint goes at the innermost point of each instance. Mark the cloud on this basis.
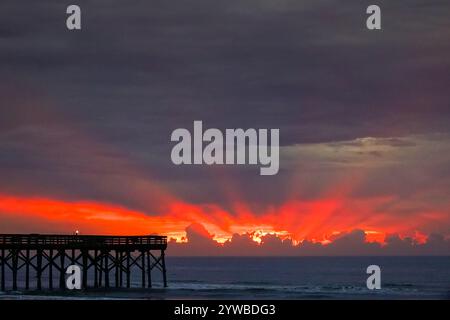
(363, 117)
(353, 243)
(270, 63)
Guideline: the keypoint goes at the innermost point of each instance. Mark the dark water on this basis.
(311, 277)
(287, 278)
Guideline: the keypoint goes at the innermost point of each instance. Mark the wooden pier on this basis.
(108, 259)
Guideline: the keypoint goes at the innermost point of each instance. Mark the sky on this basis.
(86, 118)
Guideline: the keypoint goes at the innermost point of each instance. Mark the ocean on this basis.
(279, 278)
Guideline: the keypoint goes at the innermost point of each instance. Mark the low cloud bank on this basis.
(201, 243)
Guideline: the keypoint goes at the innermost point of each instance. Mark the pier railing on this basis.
(91, 241)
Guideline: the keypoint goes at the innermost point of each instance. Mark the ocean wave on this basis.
(288, 289)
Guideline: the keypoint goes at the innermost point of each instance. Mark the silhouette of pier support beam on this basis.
(164, 271)
(62, 269)
(3, 263)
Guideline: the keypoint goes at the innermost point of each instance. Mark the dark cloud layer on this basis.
(310, 68)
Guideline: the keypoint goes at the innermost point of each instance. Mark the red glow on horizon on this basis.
(318, 221)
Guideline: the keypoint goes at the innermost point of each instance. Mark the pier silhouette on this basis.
(104, 256)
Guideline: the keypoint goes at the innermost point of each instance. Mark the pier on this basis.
(109, 260)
